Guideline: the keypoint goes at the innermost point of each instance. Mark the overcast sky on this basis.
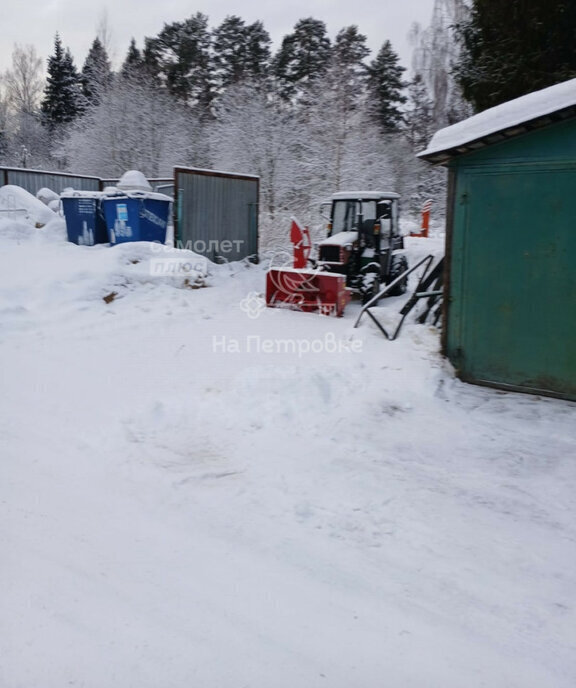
(77, 21)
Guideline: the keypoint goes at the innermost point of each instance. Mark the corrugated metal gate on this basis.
(512, 313)
(216, 213)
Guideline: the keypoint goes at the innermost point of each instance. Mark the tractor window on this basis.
(369, 210)
(385, 214)
(345, 217)
(385, 210)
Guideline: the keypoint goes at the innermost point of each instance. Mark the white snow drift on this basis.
(183, 506)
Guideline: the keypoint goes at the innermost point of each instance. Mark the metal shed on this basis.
(510, 287)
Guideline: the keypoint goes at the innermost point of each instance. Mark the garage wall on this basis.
(511, 308)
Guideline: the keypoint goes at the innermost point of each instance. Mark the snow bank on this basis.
(55, 206)
(45, 269)
(13, 198)
(503, 116)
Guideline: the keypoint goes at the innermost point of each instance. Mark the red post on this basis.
(425, 220)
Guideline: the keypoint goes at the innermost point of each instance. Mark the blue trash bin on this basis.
(85, 223)
(136, 216)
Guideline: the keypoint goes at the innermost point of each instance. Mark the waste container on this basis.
(136, 216)
(85, 223)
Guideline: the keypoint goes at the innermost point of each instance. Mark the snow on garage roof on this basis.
(514, 117)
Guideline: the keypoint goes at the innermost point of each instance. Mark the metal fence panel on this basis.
(216, 213)
(34, 180)
(163, 185)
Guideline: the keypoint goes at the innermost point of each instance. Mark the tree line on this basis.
(196, 65)
(313, 117)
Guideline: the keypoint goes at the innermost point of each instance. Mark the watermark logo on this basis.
(253, 305)
(178, 267)
(219, 247)
(255, 344)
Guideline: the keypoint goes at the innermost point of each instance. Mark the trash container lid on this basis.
(73, 193)
(138, 195)
(109, 191)
(112, 192)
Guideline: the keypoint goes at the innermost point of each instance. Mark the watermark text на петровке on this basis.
(329, 343)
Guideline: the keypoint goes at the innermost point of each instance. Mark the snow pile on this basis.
(133, 180)
(200, 491)
(16, 201)
(47, 196)
(51, 273)
(503, 116)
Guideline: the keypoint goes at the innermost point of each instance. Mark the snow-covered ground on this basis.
(198, 492)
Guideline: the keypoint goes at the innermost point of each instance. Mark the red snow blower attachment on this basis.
(302, 288)
(305, 290)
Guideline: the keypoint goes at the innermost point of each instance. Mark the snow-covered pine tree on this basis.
(229, 52)
(73, 85)
(96, 72)
(386, 88)
(63, 99)
(133, 65)
(179, 58)
(348, 55)
(258, 51)
(239, 52)
(331, 109)
(304, 55)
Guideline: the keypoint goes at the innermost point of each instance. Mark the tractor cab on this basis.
(363, 236)
(365, 212)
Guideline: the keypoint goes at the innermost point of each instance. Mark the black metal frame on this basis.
(429, 278)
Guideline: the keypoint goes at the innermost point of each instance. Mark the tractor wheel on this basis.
(370, 287)
(399, 265)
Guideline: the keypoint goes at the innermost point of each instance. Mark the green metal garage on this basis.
(510, 300)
